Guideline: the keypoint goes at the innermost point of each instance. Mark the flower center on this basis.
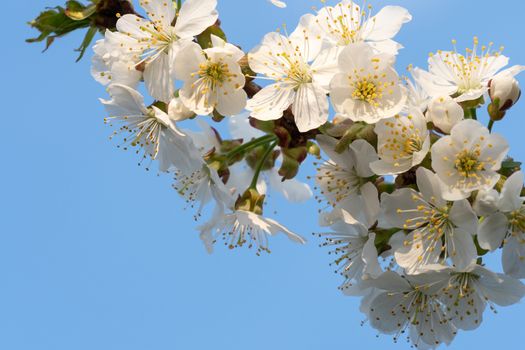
(436, 219)
(299, 73)
(215, 74)
(468, 163)
(338, 183)
(367, 90)
(517, 220)
(348, 35)
(413, 144)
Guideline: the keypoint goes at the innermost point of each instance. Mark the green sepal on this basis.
(509, 166)
(495, 113)
(358, 131)
(383, 238)
(251, 201)
(204, 39)
(480, 250)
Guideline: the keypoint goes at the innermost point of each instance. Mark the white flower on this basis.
(156, 43)
(346, 23)
(200, 186)
(468, 159)
(212, 78)
(438, 230)
(410, 303)
(445, 113)
(301, 77)
(354, 242)
(467, 292)
(368, 88)
(507, 227)
(465, 77)
(403, 142)
(240, 228)
(346, 176)
(113, 66)
(280, 4)
(150, 129)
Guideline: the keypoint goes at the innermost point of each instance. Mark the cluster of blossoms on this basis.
(418, 189)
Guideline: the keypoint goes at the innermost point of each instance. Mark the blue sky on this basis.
(97, 253)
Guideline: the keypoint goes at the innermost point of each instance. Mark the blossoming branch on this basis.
(415, 190)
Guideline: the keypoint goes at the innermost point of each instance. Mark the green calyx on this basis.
(251, 201)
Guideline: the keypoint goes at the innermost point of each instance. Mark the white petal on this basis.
(293, 190)
(511, 193)
(445, 113)
(391, 281)
(365, 154)
(326, 66)
(435, 85)
(158, 78)
(382, 315)
(371, 207)
(418, 251)
(492, 231)
(125, 101)
(381, 167)
(161, 12)
(500, 289)
(280, 4)
(398, 208)
(231, 102)
(345, 159)
(189, 59)
(513, 257)
(240, 128)
(461, 248)
(133, 26)
(195, 16)
(372, 268)
(310, 107)
(271, 102)
(390, 47)
(430, 186)
(463, 216)
(386, 24)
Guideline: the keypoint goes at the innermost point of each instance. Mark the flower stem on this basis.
(491, 125)
(251, 145)
(268, 152)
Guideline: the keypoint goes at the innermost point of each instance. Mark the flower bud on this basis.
(177, 111)
(504, 92)
(445, 113)
(292, 159)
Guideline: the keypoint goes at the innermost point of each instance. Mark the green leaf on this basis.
(53, 23)
(86, 42)
(78, 12)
